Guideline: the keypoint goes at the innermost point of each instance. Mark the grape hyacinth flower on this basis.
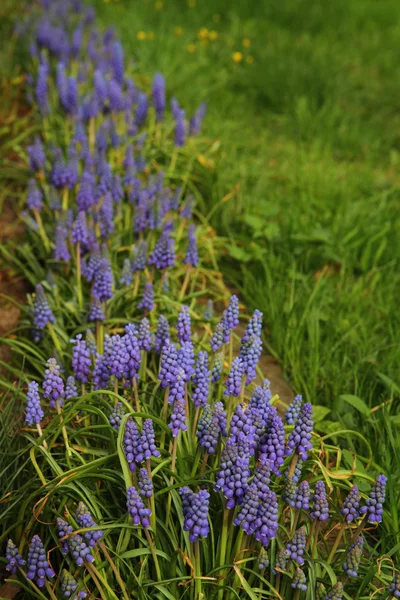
(34, 198)
(336, 592)
(147, 302)
(139, 262)
(280, 561)
(197, 119)
(201, 380)
(117, 357)
(14, 559)
(289, 493)
(163, 255)
(293, 410)
(96, 311)
(246, 518)
(320, 592)
(261, 400)
(79, 230)
(81, 360)
(144, 336)
(37, 565)
(254, 326)
(217, 368)
(250, 353)
(230, 317)
(353, 558)
(131, 443)
(374, 505)
(103, 281)
(212, 425)
(53, 385)
(177, 388)
(147, 445)
(69, 587)
(158, 93)
(139, 513)
(126, 275)
(262, 476)
(34, 413)
(233, 384)
(93, 263)
(299, 581)
(187, 208)
(267, 518)
(131, 358)
(117, 62)
(71, 390)
(61, 251)
(84, 520)
(192, 253)
(299, 438)
(320, 510)
(145, 484)
(217, 338)
(262, 559)
(180, 128)
(303, 496)
(394, 587)
(296, 547)
(117, 415)
(42, 90)
(37, 156)
(74, 544)
(42, 313)
(196, 515)
(242, 421)
(233, 474)
(178, 417)
(186, 359)
(183, 327)
(169, 364)
(141, 109)
(273, 444)
(351, 505)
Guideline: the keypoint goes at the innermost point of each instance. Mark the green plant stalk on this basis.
(79, 276)
(185, 282)
(315, 540)
(114, 568)
(229, 411)
(154, 554)
(64, 430)
(42, 230)
(222, 552)
(336, 543)
(53, 336)
(310, 535)
(293, 465)
(164, 416)
(204, 463)
(136, 394)
(171, 481)
(296, 515)
(136, 284)
(50, 590)
(100, 583)
(153, 518)
(37, 590)
(359, 529)
(197, 571)
(100, 336)
(40, 432)
(195, 419)
(65, 198)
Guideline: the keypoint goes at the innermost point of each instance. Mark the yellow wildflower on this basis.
(213, 35)
(159, 5)
(178, 30)
(191, 48)
(191, 3)
(246, 42)
(237, 57)
(141, 35)
(203, 33)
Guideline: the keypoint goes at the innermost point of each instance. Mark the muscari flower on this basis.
(242, 422)
(267, 518)
(69, 587)
(117, 62)
(117, 415)
(262, 559)
(296, 547)
(336, 592)
(211, 425)
(280, 561)
(144, 336)
(351, 505)
(320, 510)
(394, 587)
(178, 417)
(34, 198)
(61, 251)
(273, 443)
(145, 484)
(36, 155)
(131, 443)
(186, 359)
(303, 496)
(261, 400)
(234, 472)
(320, 592)
(169, 368)
(354, 554)
(141, 110)
(292, 413)
(262, 476)
(53, 385)
(14, 559)
(180, 128)
(147, 445)
(103, 281)
(217, 338)
(147, 302)
(163, 255)
(96, 311)
(126, 275)
(299, 581)
(250, 353)
(162, 333)
(139, 262)
(158, 93)
(201, 380)
(183, 327)
(37, 566)
(137, 510)
(81, 360)
(117, 357)
(233, 384)
(192, 254)
(299, 438)
(230, 317)
(187, 208)
(374, 505)
(74, 544)
(42, 313)
(84, 520)
(42, 90)
(289, 492)
(254, 326)
(197, 119)
(217, 368)
(93, 263)
(71, 391)
(247, 515)
(195, 512)
(34, 413)
(79, 233)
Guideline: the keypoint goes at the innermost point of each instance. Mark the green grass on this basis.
(309, 146)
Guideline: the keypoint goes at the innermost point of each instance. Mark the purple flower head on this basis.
(141, 110)
(42, 313)
(299, 438)
(139, 262)
(234, 472)
(100, 87)
(69, 587)
(79, 230)
(336, 592)
(178, 417)
(293, 410)
(117, 415)
(93, 263)
(117, 62)
(186, 359)
(273, 442)
(96, 311)
(101, 375)
(201, 380)
(254, 326)
(37, 566)
(297, 471)
(211, 425)
(117, 357)
(132, 349)
(34, 413)
(217, 338)
(250, 353)
(374, 504)
(81, 360)
(72, 95)
(280, 561)
(175, 108)
(85, 196)
(61, 251)
(147, 302)
(180, 128)
(303, 496)
(42, 99)
(192, 254)
(195, 512)
(320, 510)
(163, 255)
(76, 43)
(74, 544)
(91, 342)
(144, 336)
(242, 421)
(217, 368)
(126, 275)
(353, 558)
(137, 510)
(115, 96)
(197, 119)
(299, 581)
(267, 518)
(107, 215)
(394, 587)
(297, 545)
(62, 85)
(103, 281)
(35, 197)
(184, 328)
(14, 559)
(53, 385)
(177, 388)
(131, 443)
(145, 484)
(233, 384)
(230, 317)
(162, 333)
(158, 93)
(169, 368)
(71, 391)
(84, 520)
(289, 493)
(261, 399)
(187, 208)
(147, 447)
(320, 592)
(116, 190)
(351, 505)
(263, 560)
(36, 155)
(261, 477)
(247, 516)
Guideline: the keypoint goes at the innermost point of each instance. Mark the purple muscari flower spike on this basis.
(186, 359)
(34, 413)
(192, 254)
(84, 520)
(116, 416)
(145, 484)
(175, 108)
(374, 504)
(261, 477)
(62, 85)
(42, 100)
(116, 190)
(147, 302)
(79, 230)
(351, 505)
(180, 128)
(289, 493)
(299, 581)
(76, 43)
(144, 336)
(254, 326)
(74, 544)
(131, 443)
(299, 438)
(263, 560)
(139, 262)
(126, 275)
(71, 391)
(178, 417)
(183, 328)
(201, 380)
(93, 263)
(117, 62)
(91, 342)
(147, 444)
(81, 361)
(394, 587)
(187, 208)
(267, 518)
(247, 516)
(233, 384)
(353, 558)
(101, 375)
(69, 586)
(53, 385)
(14, 559)
(58, 175)
(107, 216)
(217, 368)
(234, 472)
(196, 515)
(250, 353)
(96, 312)
(100, 87)
(42, 313)
(163, 255)
(242, 421)
(273, 443)
(175, 198)
(177, 389)
(320, 503)
(210, 426)
(217, 338)
(230, 317)
(196, 120)
(169, 368)
(293, 410)
(72, 95)
(35, 196)
(336, 592)
(162, 333)
(141, 110)
(158, 93)
(37, 565)
(85, 194)
(297, 545)
(280, 561)
(61, 251)
(129, 160)
(132, 350)
(137, 510)
(115, 96)
(37, 156)
(103, 281)
(303, 496)
(261, 400)
(117, 357)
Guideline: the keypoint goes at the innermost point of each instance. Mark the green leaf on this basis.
(320, 412)
(356, 403)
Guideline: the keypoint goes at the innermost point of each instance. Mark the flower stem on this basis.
(78, 275)
(171, 481)
(153, 519)
(42, 230)
(64, 430)
(195, 419)
(197, 571)
(293, 465)
(336, 544)
(40, 432)
(359, 528)
(164, 417)
(136, 284)
(153, 553)
(100, 583)
(114, 568)
(65, 195)
(53, 336)
(50, 590)
(185, 282)
(136, 394)
(222, 552)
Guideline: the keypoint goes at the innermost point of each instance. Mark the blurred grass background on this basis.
(304, 97)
